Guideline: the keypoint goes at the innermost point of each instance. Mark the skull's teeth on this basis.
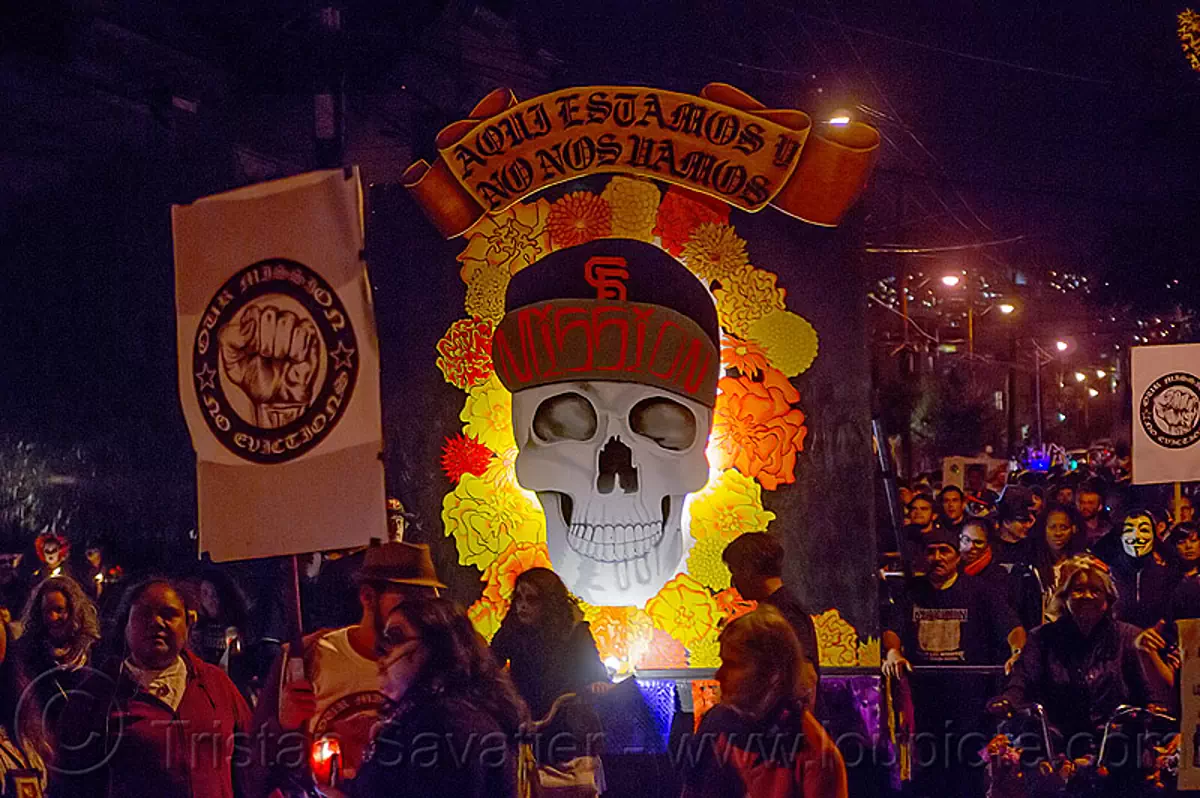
(614, 542)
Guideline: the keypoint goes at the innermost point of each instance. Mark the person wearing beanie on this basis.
(946, 618)
(1014, 520)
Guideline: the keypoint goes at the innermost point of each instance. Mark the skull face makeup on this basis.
(611, 464)
(611, 352)
(1137, 535)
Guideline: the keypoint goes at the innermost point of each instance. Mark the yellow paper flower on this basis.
(868, 653)
(502, 469)
(683, 609)
(634, 204)
(727, 507)
(836, 639)
(485, 521)
(501, 575)
(485, 293)
(1189, 36)
(486, 617)
(487, 414)
(746, 296)
(789, 340)
(706, 653)
(714, 252)
(512, 239)
(705, 564)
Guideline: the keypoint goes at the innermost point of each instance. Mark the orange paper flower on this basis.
(577, 218)
(731, 605)
(501, 575)
(684, 609)
(621, 632)
(664, 652)
(486, 616)
(756, 430)
(747, 357)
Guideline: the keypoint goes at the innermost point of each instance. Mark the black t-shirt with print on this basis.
(965, 624)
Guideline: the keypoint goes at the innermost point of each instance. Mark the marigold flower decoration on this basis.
(485, 521)
(681, 212)
(486, 617)
(745, 357)
(507, 241)
(684, 609)
(465, 352)
(621, 632)
(464, 455)
(756, 430)
(706, 653)
(714, 252)
(837, 641)
(501, 575)
(728, 506)
(664, 651)
(634, 204)
(485, 293)
(789, 340)
(705, 564)
(731, 605)
(746, 296)
(577, 218)
(1189, 36)
(488, 415)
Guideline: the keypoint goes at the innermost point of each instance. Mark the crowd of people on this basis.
(150, 693)
(1071, 588)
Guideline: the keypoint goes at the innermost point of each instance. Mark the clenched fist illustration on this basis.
(1177, 410)
(273, 355)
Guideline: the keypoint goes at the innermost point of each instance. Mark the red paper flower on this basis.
(681, 212)
(756, 430)
(463, 455)
(465, 352)
(577, 218)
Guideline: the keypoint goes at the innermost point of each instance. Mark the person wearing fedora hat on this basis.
(341, 698)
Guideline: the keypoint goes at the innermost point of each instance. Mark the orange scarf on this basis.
(983, 562)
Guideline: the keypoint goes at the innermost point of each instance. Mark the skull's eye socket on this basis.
(666, 422)
(566, 417)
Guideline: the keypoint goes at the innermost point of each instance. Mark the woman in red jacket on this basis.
(762, 739)
(157, 720)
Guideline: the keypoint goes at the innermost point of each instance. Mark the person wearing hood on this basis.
(1144, 582)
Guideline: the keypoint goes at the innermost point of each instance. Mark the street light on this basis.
(840, 119)
(1080, 376)
(1006, 308)
(1101, 374)
(1061, 346)
(951, 280)
(1092, 392)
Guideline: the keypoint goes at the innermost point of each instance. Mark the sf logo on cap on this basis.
(607, 274)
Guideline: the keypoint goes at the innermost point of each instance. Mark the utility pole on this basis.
(329, 96)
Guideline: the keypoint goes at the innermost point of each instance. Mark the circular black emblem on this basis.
(1170, 410)
(275, 361)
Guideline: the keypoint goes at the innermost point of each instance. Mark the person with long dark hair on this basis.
(155, 719)
(451, 716)
(25, 746)
(762, 739)
(549, 648)
(1056, 538)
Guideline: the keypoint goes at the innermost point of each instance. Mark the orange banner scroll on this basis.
(723, 143)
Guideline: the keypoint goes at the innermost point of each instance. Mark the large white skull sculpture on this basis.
(611, 463)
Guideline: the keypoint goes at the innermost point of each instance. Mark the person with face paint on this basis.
(451, 715)
(1144, 580)
(1085, 664)
(547, 644)
(947, 618)
(155, 720)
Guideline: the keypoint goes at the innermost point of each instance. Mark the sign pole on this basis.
(295, 622)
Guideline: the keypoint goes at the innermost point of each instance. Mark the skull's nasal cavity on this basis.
(616, 467)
